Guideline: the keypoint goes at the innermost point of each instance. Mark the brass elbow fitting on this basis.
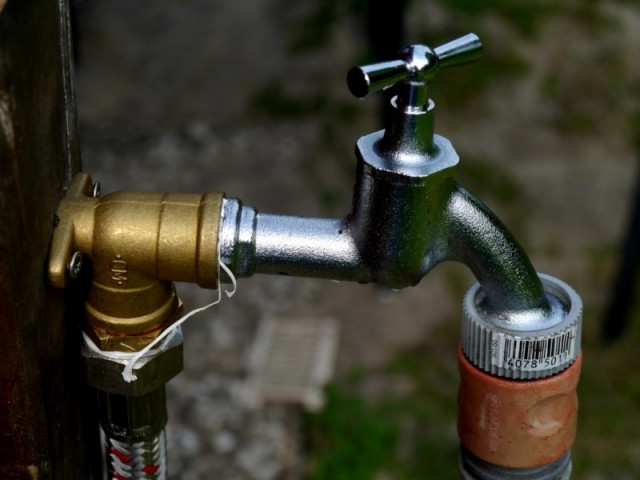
(138, 244)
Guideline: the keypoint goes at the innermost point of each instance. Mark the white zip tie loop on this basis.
(127, 372)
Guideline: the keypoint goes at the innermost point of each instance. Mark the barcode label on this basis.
(532, 355)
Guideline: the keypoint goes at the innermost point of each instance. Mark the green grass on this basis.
(401, 436)
(608, 442)
(349, 439)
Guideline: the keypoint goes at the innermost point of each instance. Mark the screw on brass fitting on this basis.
(138, 244)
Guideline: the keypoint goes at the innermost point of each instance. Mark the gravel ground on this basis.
(165, 103)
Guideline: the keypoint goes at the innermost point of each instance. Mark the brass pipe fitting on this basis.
(138, 243)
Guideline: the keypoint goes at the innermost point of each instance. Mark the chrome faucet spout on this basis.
(477, 238)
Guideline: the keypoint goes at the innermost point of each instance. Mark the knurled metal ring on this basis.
(521, 354)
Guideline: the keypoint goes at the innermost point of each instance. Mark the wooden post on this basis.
(44, 430)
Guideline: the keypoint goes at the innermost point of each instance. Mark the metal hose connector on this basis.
(527, 346)
(473, 468)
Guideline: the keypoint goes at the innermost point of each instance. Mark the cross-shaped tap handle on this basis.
(417, 64)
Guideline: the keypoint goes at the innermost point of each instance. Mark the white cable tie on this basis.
(132, 358)
(127, 372)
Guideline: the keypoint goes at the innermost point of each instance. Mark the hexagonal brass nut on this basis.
(126, 343)
(105, 340)
(153, 371)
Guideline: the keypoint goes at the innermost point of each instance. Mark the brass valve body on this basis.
(138, 243)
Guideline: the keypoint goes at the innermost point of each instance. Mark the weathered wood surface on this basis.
(44, 431)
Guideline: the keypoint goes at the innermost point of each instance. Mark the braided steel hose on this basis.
(134, 445)
(145, 460)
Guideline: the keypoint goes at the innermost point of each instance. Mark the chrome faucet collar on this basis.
(409, 135)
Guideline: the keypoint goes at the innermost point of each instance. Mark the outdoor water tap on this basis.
(519, 353)
(408, 212)
(408, 215)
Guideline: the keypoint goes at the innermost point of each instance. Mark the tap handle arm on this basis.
(368, 79)
(416, 63)
(461, 51)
